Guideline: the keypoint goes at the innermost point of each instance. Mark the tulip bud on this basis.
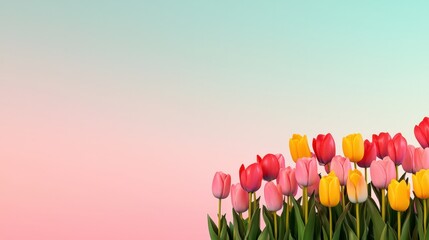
(273, 197)
(397, 149)
(324, 148)
(369, 155)
(270, 166)
(353, 147)
(239, 198)
(421, 132)
(298, 147)
(398, 194)
(251, 177)
(421, 184)
(382, 172)
(381, 141)
(281, 159)
(221, 185)
(287, 181)
(341, 166)
(357, 190)
(329, 190)
(306, 171)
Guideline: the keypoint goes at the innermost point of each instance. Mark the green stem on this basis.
(275, 225)
(218, 216)
(330, 223)
(424, 215)
(355, 165)
(397, 175)
(287, 213)
(357, 221)
(343, 200)
(254, 201)
(383, 205)
(250, 208)
(241, 216)
(399, 225)
(366, 175)
(305, 204)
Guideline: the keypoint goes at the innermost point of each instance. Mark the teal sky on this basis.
(229, 79)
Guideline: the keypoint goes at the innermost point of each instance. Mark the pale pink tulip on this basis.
(287, 181)
(221, 185)
(306, 171)
(382, 172)
(273, 197)
(416, 159)
(239, 198)
(341, 166)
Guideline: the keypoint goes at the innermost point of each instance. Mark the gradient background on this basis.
(114, 116)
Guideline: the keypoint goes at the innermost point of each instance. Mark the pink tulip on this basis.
(239, 198)
(382, 172)
(324, 148)
(416, 159)
(251, 177)
(270, 166)
(397, 149)
(421, 132)
(341, 167)
(281, 160)
(287, 181)
(306, 171)
(273, 197)
(314, 188)
(381, 142)
(221, 185)
(369, 155)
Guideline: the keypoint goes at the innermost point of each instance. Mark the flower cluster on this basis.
(341, 204)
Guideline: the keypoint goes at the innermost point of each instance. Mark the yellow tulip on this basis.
(356, 187)
(353, 147)
(298, 146)
(399, 195)
(329, 190)
(421, 184)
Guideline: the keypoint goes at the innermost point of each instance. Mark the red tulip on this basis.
(324, 148)
(397, 149)
(306, 171)
(221, 185)
(416, 159)
(287, 181)
(381, 142)
(281, 160)
(369, 155)
(239, 198)
(382, 172)
(421, 132)
(273, 197)
(251, 177)
(270, 166)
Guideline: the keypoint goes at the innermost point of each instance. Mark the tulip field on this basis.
(340, 203)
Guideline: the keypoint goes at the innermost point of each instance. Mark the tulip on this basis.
(341, 166)
(329, 190)
(421, 132)
(281, 160)
(314, 188)
(357, 192)
(382, 172)
(270, 166)
(381, 142)
(287, 181)
(324, 148)
(273, 200)
(329, 194)
(239, 198)
(369, 156)
(306, 175)
(220, 188)
(397, 148)
(399, 199)
(421, 189)
(298, 147)
(416, 159)
(221, 185)
(353, 147)
(251, 177)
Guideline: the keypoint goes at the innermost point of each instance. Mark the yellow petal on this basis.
(334, 192)
(417, 186)
(424, 182)
(347, 147)
(391, 193)
(324, 191)
(303, 148)
(358, 148)
(293, 149)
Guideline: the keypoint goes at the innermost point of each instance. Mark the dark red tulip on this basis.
(324, 148)
(381, 141)
(251, 177)
(397, 149)
(369, 155)
(421, 132)
(270, 166)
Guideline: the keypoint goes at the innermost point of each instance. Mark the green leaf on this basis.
(298, 220)
(212, 229)
(269, 222)
(405, 231)
(265, 235)
(419, 219)
(339, 223)
(224, 235)
(238, 226)
(253, 229)
(377, 222)
(309, 228)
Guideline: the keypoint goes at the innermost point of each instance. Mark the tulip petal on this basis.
(358, 148)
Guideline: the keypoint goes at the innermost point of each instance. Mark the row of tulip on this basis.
(318, 212)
